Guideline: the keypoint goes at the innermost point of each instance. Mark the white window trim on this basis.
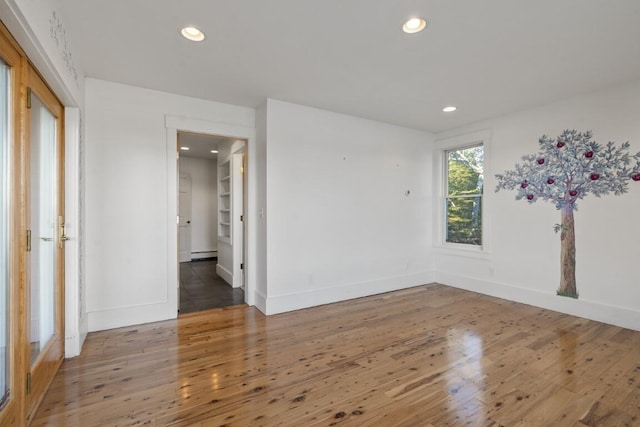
(442, 146)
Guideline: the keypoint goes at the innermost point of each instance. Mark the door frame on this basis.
(12, 413)
(173, 124)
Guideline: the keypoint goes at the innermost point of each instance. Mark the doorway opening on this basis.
(211, 200)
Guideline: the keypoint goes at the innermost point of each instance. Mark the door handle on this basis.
(62, 233)
(47, 239)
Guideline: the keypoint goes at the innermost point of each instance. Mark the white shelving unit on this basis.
(224, 202)
(231, 191)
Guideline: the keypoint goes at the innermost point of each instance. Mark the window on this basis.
(464, 169)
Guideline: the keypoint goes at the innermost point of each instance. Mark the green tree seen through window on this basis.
(465, 174)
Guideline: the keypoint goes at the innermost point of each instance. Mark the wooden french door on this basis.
(44, 285)
(31, 235)
(11, 381)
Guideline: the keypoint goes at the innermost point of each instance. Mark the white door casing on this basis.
(174, 123)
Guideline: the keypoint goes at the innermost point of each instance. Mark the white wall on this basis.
(340, 224)
(524, 261)
(39, 28)
(261, 223)
(129, 268)
(204, 204)
(338, 218)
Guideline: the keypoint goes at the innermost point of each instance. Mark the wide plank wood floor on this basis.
(426, 356)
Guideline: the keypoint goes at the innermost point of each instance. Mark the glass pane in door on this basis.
(5, 132)
(43, 221)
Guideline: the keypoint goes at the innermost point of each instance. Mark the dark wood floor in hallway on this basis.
(426, 356)
(202, 289)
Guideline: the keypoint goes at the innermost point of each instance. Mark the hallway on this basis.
(202, 289)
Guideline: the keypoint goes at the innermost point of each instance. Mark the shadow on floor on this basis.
(202, 289)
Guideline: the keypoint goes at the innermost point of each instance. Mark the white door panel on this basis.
(184, 218)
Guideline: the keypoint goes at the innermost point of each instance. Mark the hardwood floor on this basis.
(426, 356)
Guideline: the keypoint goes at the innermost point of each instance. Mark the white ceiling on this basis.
(200, 146)
(489, 57)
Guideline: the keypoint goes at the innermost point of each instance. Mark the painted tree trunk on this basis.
(568, 255)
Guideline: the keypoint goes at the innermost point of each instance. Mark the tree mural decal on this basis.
(565, 170)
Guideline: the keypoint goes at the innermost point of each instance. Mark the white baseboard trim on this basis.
(71, 347)
(297, 301)
(84, 329)
(128, 316)
(225, 274)
(618, 316)
(73, 344)
(261, 302)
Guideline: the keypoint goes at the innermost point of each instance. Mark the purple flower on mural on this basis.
(582, 167)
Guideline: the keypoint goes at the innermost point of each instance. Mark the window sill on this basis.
(468, 251)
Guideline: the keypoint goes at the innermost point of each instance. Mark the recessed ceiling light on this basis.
(214, 151)
(414, 25)
(449, 109)
(184, 148)
(192, 33)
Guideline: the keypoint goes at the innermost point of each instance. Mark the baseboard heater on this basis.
(204, 254)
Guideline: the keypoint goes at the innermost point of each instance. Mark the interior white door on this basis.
(237, 222)
(184, 218)
(244, 218)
